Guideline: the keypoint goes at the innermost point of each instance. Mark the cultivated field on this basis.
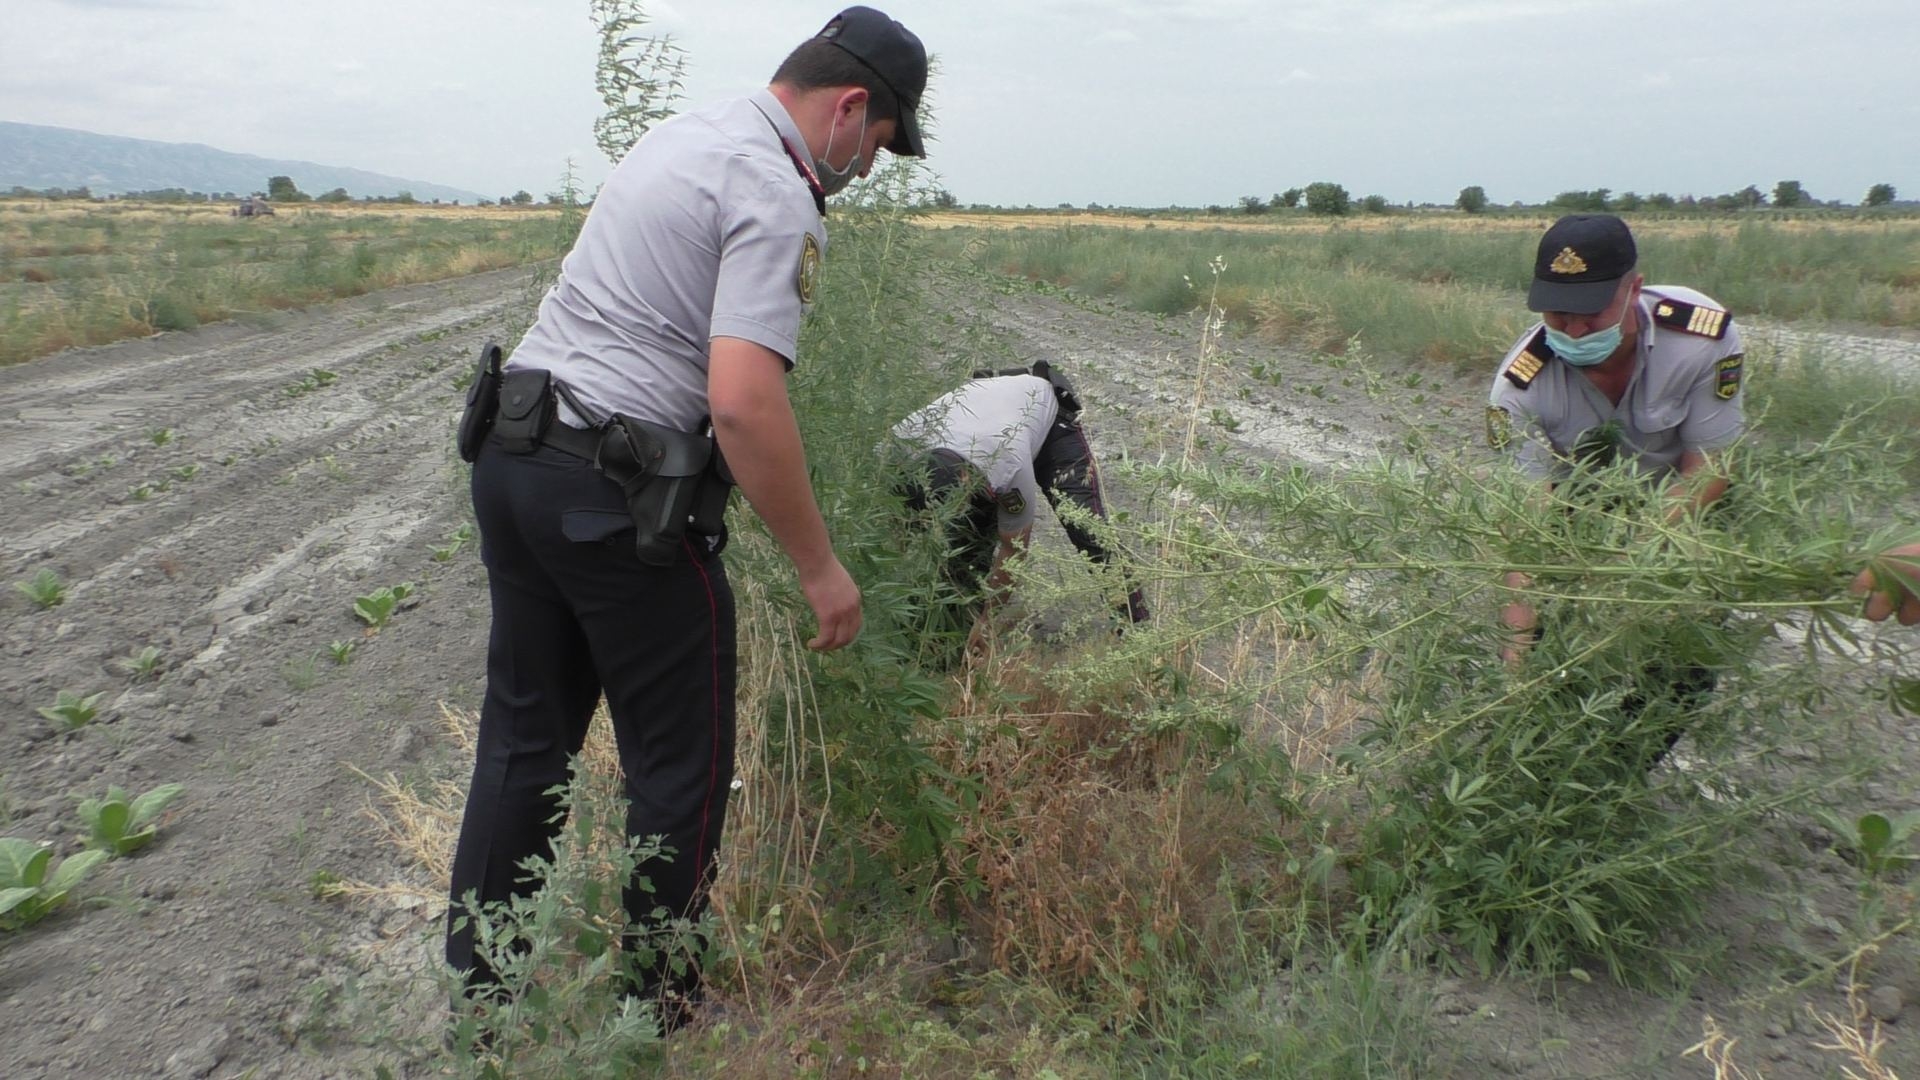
(1301, 825)
(80, 273)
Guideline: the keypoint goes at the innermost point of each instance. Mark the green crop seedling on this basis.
(120, 826)
(455, 541)
(377, 607)
(316, 379)
(72, 711)
(31, 887)
(143, 664)
(161, 436)
(341, 651)
(1876, 840)
(45, 589)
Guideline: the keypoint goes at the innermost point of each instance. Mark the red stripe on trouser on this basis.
(713, 764)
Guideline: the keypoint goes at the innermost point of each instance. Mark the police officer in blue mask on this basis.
(1647, 376)
(1622, 374)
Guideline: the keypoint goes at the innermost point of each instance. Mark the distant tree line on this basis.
(1332, 200)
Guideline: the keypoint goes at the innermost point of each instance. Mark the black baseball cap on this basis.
(1580, 263)
(892, 52)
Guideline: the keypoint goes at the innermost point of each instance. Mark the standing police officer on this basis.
(1018, 436)
(1645, 374)
(678, 307)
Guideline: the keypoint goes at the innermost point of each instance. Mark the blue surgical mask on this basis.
(1584, 351)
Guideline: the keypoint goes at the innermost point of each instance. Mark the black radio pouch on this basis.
(527, 409)
(483, 401)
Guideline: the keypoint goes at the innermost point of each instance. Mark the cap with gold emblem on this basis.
(1580, 263)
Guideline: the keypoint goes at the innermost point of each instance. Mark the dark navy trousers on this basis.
(576, 614)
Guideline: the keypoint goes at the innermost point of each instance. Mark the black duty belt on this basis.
(580, 442)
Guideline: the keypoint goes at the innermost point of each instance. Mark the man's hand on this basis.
(1891, 583)
(753, 421)
(1519, 617)
(1699, 487)
(836, 606)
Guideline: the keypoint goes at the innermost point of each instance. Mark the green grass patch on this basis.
(92, 273)
(1452, 291)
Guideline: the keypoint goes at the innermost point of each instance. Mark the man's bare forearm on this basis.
(755, 425)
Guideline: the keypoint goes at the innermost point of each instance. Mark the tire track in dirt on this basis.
(211, 949)
(1273, 403)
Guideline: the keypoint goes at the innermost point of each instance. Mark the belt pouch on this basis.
(526, 410)
(483, 402)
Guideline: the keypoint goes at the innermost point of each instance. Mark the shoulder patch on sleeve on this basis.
(1688, 318)
(1727, 377)
(808, 279)
(1013, 503)
(1526, 366)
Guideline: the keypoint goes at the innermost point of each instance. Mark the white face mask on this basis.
(832, 180)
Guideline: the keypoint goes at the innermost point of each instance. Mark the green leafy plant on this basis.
(141, 493)
(457, 540)
(1876, 842)
(31, 886)
(143, 664)
(324, 884)
(186, 472)
(161, 436)
(316, 379)
(377, 607)
(301, 674)
(341, 651)
(45, 589)
(119, 825)
(71, 710)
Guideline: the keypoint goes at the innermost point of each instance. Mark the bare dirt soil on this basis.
(204, 494)
(198, 497)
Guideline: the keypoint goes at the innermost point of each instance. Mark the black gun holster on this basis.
(675, 483)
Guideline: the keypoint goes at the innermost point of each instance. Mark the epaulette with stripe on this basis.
(1692, 318)
(1526, 366)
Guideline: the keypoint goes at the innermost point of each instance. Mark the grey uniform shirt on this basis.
(997, 425)
(1684, 393)
(706, 229)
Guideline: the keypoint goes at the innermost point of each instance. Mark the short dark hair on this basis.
(819, 64)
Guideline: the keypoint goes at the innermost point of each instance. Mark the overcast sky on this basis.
(1125, 102)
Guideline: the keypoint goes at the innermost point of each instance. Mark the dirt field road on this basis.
(210, 495)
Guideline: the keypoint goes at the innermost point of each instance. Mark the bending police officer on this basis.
(1016, 436)
(678, 307)
(1618, 372)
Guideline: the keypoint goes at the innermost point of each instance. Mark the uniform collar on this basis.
(796, 145)
(1647, 327)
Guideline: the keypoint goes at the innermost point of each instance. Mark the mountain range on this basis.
(36, 157)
